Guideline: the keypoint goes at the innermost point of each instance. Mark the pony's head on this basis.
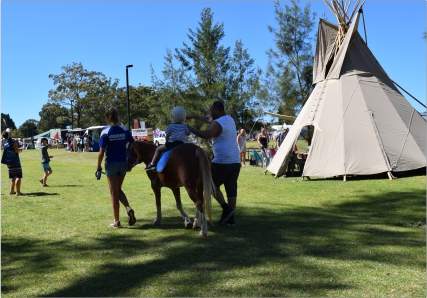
(131, 157)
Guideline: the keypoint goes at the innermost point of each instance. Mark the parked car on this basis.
(160, 139)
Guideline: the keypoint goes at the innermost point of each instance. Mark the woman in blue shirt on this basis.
(112, 144)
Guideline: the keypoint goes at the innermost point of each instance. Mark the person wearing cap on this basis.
(225, 166)
(175, 135)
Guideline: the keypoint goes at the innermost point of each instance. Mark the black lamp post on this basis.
(127, 93)
(72, 118)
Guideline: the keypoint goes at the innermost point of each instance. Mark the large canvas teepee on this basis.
(363, 124)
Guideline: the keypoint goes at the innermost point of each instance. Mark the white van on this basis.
(160, 139)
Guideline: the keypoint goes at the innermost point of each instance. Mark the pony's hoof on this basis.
(196, 224)
(156, 222)
(188, 225)
(203, 234)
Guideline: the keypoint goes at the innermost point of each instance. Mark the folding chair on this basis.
(257, 157)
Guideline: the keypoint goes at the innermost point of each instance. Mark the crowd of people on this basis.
(79, 143)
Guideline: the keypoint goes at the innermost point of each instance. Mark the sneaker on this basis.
(115, 224)
(131, 216)
(41, 181)
(226, 214)
(45, 185)
(150, 167)
(230, 222)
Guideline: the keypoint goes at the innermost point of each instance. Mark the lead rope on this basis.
(130, 155)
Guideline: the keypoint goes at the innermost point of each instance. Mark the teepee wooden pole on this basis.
(336, 8)
(390, 176)
(341, 6)
(329, 5)
(330, 8)
(355, 8)
(347, 5)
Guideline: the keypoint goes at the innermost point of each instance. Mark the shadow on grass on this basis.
(35, 194)
(41, 194)
(280, 241)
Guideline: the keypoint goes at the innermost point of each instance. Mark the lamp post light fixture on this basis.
(127, 93)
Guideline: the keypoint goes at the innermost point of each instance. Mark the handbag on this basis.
(9, 157)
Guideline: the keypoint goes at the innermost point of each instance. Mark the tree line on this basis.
(193, 76)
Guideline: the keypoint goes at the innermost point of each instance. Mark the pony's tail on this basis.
(209, 188)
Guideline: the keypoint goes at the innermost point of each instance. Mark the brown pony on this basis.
(188, 166)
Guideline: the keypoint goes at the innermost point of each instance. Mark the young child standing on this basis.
(175, 135)
(45, 161)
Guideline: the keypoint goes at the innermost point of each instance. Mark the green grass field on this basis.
(319, 238)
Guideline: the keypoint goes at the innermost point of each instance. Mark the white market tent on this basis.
(363, 124)
(54, 132)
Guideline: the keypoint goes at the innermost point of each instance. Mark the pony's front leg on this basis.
(157, 194)
(177, 195)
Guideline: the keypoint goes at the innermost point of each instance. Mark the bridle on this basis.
(130, 155)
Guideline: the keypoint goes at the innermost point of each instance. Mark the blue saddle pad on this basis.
(163, 160)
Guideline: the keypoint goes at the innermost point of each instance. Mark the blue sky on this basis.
(38, 38)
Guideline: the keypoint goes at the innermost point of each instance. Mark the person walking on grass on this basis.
(112, 144)
(11, 159)
(45, 161)
(226, 165)
(175, 135)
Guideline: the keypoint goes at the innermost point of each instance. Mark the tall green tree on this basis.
(207, 59)
(288, 81)
(53, 116)
(244, 84)
(27, 128)
(7, 122)
(171, 90)
(139, 102)
(207, 72)
(85, 92)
